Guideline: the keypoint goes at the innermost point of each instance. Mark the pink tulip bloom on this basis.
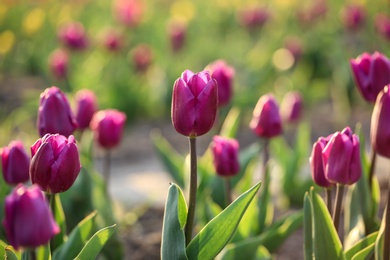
(86, 107)
(224, 75)
(380, 123)
(15, 163)
(225, 153)
(58, 63)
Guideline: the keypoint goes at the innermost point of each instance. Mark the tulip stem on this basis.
(338, 204)
(372, 169)
(193, 189)
(107, 166)
(29, 254)
(386, 239)
(328, 198)
(228, 191)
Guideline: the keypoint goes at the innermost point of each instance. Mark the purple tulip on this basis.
(73, 36)
(58, 63)
(225, 153)
(316, 164)
(194, 103)
(28, 221)
(86, 107)
(177, 31)
(128, 12)
(371, 74)
(341, 158)
(54, 113)
(142, 56)
(291, 107)
(380, 123)
(266, 121)
(112, 39)
(253, 17)
(223, 74)
(107, 126)
(15, 163)
(55, 163)
(353, 17)
(382, 24)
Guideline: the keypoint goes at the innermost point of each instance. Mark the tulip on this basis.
(58, 63)
(73, 36)
(380, 123)
(225, 153)
(55, 163)
(142, 56)
(353, 17)
(177, 31)
(253, 17)
(316, 163)
(341, 158)
(54, 114)
(107, 126)
(382, 24)
(128, 12)
(291, 107)
(15, 163)
(223, 74)
(194, 103)
(294, 46)
(112, 40)
(371, 74)
(266, 121)
(86, 107)
(28, 221)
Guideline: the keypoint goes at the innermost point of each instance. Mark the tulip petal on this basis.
(40, 167)
(183, 108)
(206, 108)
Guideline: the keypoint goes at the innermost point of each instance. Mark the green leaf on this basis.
(308, 227)
(380, 237)
(265, 205)
(96, 243)
(43, 252)
(59, 217)
(231, 123)
(360, 245)
(173, 240)
(365, 253)
(77, 239)
(217, 233)
(11, 253)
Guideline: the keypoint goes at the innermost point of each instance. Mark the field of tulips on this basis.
(279, 115)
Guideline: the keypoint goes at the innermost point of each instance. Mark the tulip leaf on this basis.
(380, 237)
(217, 233)
(59, 217)
(366, 253)
(265, 205)
(308, 227)
(43, 252)
(360, 245)
(96, 243)
(231, 123)
(172, 161)
(10, 254)
(77, 239)
(246, 158)
(173, 240)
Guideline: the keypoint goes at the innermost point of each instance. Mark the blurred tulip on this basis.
(54, 113)
(225, 153)
(28, 221)
(380, 123)
(73, 36)
(316, 163)
(371, 74)
(15, 163)
(382, 24)
(353, 17)
(194, 103)
(266, 121)
(112, 40)
(86, 107)
(58, 63)
(223, 74)
(128, 12)
(253, 17)
(107, 126)
(313, 13)
(294, 45)
(341, 158)
(55, 163)
(177, 31)
(291, 107)
(142, 57)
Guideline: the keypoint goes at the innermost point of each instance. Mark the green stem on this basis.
(29, 254)
(328, 199)
(107, 166)
(265, 161)
(372, 169)
(228, 191)
(338, 204)
(193, 189)
(386, 239)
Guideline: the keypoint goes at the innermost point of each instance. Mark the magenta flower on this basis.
(316, 163)
(341, 158)
(223, 74)
(353, 17)
(380, 123)
(266, 120)
(112, 39)
(28, 221)
(225, 153)
(128, 12)
(371, 74)
(58, 63)
(382, 24)
(54, 113)
(73, 36)
(291, 107)
(194, 103)
(142, 57)
(86, 107)
(177, 31)
(15, 163)
(253, 17)
(107, 126)
(55, 163)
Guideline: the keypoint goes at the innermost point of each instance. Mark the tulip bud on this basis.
(223, 74)
(194, 103)
(142, 57)
(225, 153)
(112, 40)
(128, 12)
(382, 24)
(353, 17)
(58, 63)
(55, 163)
(15, 163)
(86, 107)
(266, 121)
(107, 126)
(177, 31)
(341, 158)
(291, 107)
(253, 17)
(28, 221)
(73, 36)
(54, 113)
(380, 123)
(371, 74)
(316, 164)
